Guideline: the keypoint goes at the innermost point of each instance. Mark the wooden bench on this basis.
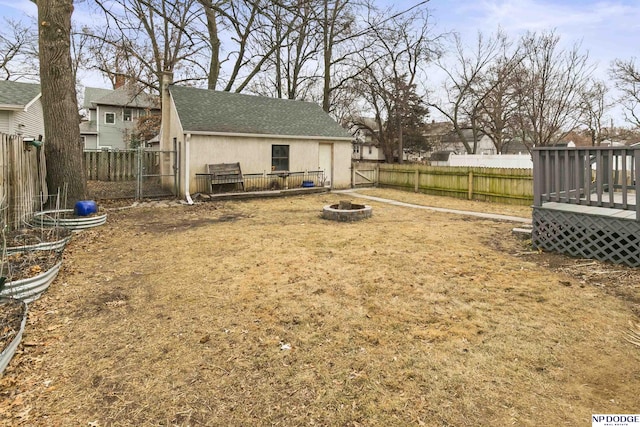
(225, 173)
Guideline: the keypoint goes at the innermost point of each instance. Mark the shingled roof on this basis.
(202, 110)
(17, 94)
(124, 96)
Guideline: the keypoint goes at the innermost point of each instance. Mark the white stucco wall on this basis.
(254, 155)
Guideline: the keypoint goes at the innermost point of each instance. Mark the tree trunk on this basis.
(212, 28)
(63, 148)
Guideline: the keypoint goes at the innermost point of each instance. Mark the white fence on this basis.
(504, 161)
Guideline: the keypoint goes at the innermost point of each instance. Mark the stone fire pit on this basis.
(346, 211)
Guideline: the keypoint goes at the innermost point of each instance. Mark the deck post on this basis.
(537, 177)
(636, 183)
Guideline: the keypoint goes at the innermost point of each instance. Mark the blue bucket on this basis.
(85, 207)
(307, 183)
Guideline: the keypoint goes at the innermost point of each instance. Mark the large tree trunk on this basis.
(63, 148)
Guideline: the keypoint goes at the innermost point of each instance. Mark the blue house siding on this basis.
(103, 103)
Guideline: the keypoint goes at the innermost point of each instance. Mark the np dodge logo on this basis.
(615, 420)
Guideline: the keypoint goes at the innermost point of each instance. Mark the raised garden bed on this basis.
(37, 239)
(66, 218)
(28, 275)
(13, 317)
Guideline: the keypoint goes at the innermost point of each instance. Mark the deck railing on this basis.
(596, 176)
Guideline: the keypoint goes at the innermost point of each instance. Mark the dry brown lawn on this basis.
(260, 313)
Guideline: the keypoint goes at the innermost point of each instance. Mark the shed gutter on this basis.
(12, 107)
(26, 107)
(263, 135)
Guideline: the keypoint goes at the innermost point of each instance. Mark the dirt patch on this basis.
(32, 236)
(279, 317)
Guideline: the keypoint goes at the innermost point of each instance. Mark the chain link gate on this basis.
(157, 173)
(131, 174)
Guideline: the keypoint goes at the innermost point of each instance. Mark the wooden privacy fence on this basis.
(120, 165)
(513, 186)
(22, 181)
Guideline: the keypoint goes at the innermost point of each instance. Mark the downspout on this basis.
(187, 140)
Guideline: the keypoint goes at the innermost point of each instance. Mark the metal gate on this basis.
(131, 174)
(157, 173)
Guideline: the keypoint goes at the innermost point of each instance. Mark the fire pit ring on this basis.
(346, 211)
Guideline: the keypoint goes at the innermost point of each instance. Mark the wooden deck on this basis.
(591, 210)
(587, 202)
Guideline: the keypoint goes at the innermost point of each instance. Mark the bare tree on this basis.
(296, 62)
(256, 30)
(626, 75)
(593, 105)
(497, 96)
(477, 88)
(549, 85)
(337, 22)
(18, 51)
(213, 38)
(387, 83)
(63, 148)
(144, 38)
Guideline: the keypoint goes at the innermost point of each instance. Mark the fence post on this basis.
(417, 181)
(470, 186)
(353, 175)
(138, 159)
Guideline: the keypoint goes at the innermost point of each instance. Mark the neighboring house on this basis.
(435, 132)
(365, 147)
(112, 116)
(21, 109)
(262, 134)
(515, 146)
(452, 142)
(367, 152)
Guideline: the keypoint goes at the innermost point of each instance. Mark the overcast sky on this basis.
(606, 29)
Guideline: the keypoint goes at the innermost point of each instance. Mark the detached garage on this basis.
(262, 134)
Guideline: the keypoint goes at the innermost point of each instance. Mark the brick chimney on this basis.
(120, 80)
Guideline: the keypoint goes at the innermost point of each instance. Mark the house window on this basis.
(280, 157)
(127, 115)
(110, 118)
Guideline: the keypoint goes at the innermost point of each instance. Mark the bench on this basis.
(225, 173)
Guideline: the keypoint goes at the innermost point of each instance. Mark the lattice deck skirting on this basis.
(586, 235)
